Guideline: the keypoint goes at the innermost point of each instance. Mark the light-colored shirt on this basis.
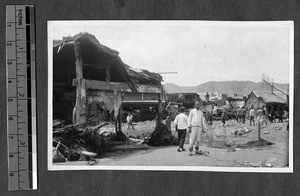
(181, 120)
(196, 118)
(129, 118)
(251, 112)
(260, 112)
(239, 111)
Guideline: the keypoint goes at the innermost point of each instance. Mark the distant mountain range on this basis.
(226, 87)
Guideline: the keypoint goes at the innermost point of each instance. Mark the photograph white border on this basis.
(289, 24)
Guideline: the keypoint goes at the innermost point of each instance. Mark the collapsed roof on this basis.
(142, 76)
(95, 57)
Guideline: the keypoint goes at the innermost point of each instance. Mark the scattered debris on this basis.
(248, 164)
(57, 123)
(57, 156)
(81, 142)
(256, 164)
(93, 162)
(274, 162)
(277, 128)
(246, 129)
(241, 131)
(231, 150)
(269, 165)
(202, 152)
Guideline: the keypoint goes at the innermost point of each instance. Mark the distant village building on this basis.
(272, 101)
(186, 99)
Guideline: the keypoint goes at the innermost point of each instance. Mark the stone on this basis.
(246, 129)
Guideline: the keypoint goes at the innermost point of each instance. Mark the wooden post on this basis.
(79, 112)
(120, 118)
(107, 71)
(159, 108)
(116, 125)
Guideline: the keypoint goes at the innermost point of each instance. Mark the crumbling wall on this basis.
(112, 100)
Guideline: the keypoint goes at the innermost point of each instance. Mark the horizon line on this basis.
(219, 81)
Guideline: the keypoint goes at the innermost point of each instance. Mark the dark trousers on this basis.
(181, 137)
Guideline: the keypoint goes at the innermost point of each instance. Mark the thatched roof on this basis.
(94, 55)
(270, 97)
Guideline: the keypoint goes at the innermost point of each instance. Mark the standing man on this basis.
(196, 127)
(251, 114)
(243, 114)
(239, 114)
(224, 117)
(210, 119)
(130, 121)
(181, 123)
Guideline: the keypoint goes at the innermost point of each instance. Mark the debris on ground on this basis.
(161, 136)
(256, 164)
(241, 131)
(274, 162)
(93, 162)
(255, 143)
(57, 123)
(277, 128)
(80, 142)
(252, 164)
(202, 152)
(57, 156)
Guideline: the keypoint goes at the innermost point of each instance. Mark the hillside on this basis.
(228, 87)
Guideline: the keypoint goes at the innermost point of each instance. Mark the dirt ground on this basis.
(221, 143)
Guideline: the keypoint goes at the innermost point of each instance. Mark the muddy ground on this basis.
(225, 148)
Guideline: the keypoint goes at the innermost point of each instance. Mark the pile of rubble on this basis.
(79, 142)
(255, 143)
(161, 136)
(86, 141)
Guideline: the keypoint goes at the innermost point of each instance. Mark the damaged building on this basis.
(186, 99)
(89, 77)
(274, 102)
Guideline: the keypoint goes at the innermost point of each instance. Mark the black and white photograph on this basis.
(171, 95)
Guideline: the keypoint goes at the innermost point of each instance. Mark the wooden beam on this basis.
(159, 107)
(99, 67)
(116, 125)
(120, 86)
(101, 85)
(79, 111)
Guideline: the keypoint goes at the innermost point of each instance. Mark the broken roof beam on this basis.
(119, 86)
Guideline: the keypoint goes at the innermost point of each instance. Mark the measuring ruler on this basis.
(21, 97)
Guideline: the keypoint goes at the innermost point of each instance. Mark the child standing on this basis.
(181, 123)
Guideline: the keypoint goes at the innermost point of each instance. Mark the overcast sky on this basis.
(199, 51)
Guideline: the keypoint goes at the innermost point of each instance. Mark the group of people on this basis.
(193, 123)
(261, 116)
(241, 114)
